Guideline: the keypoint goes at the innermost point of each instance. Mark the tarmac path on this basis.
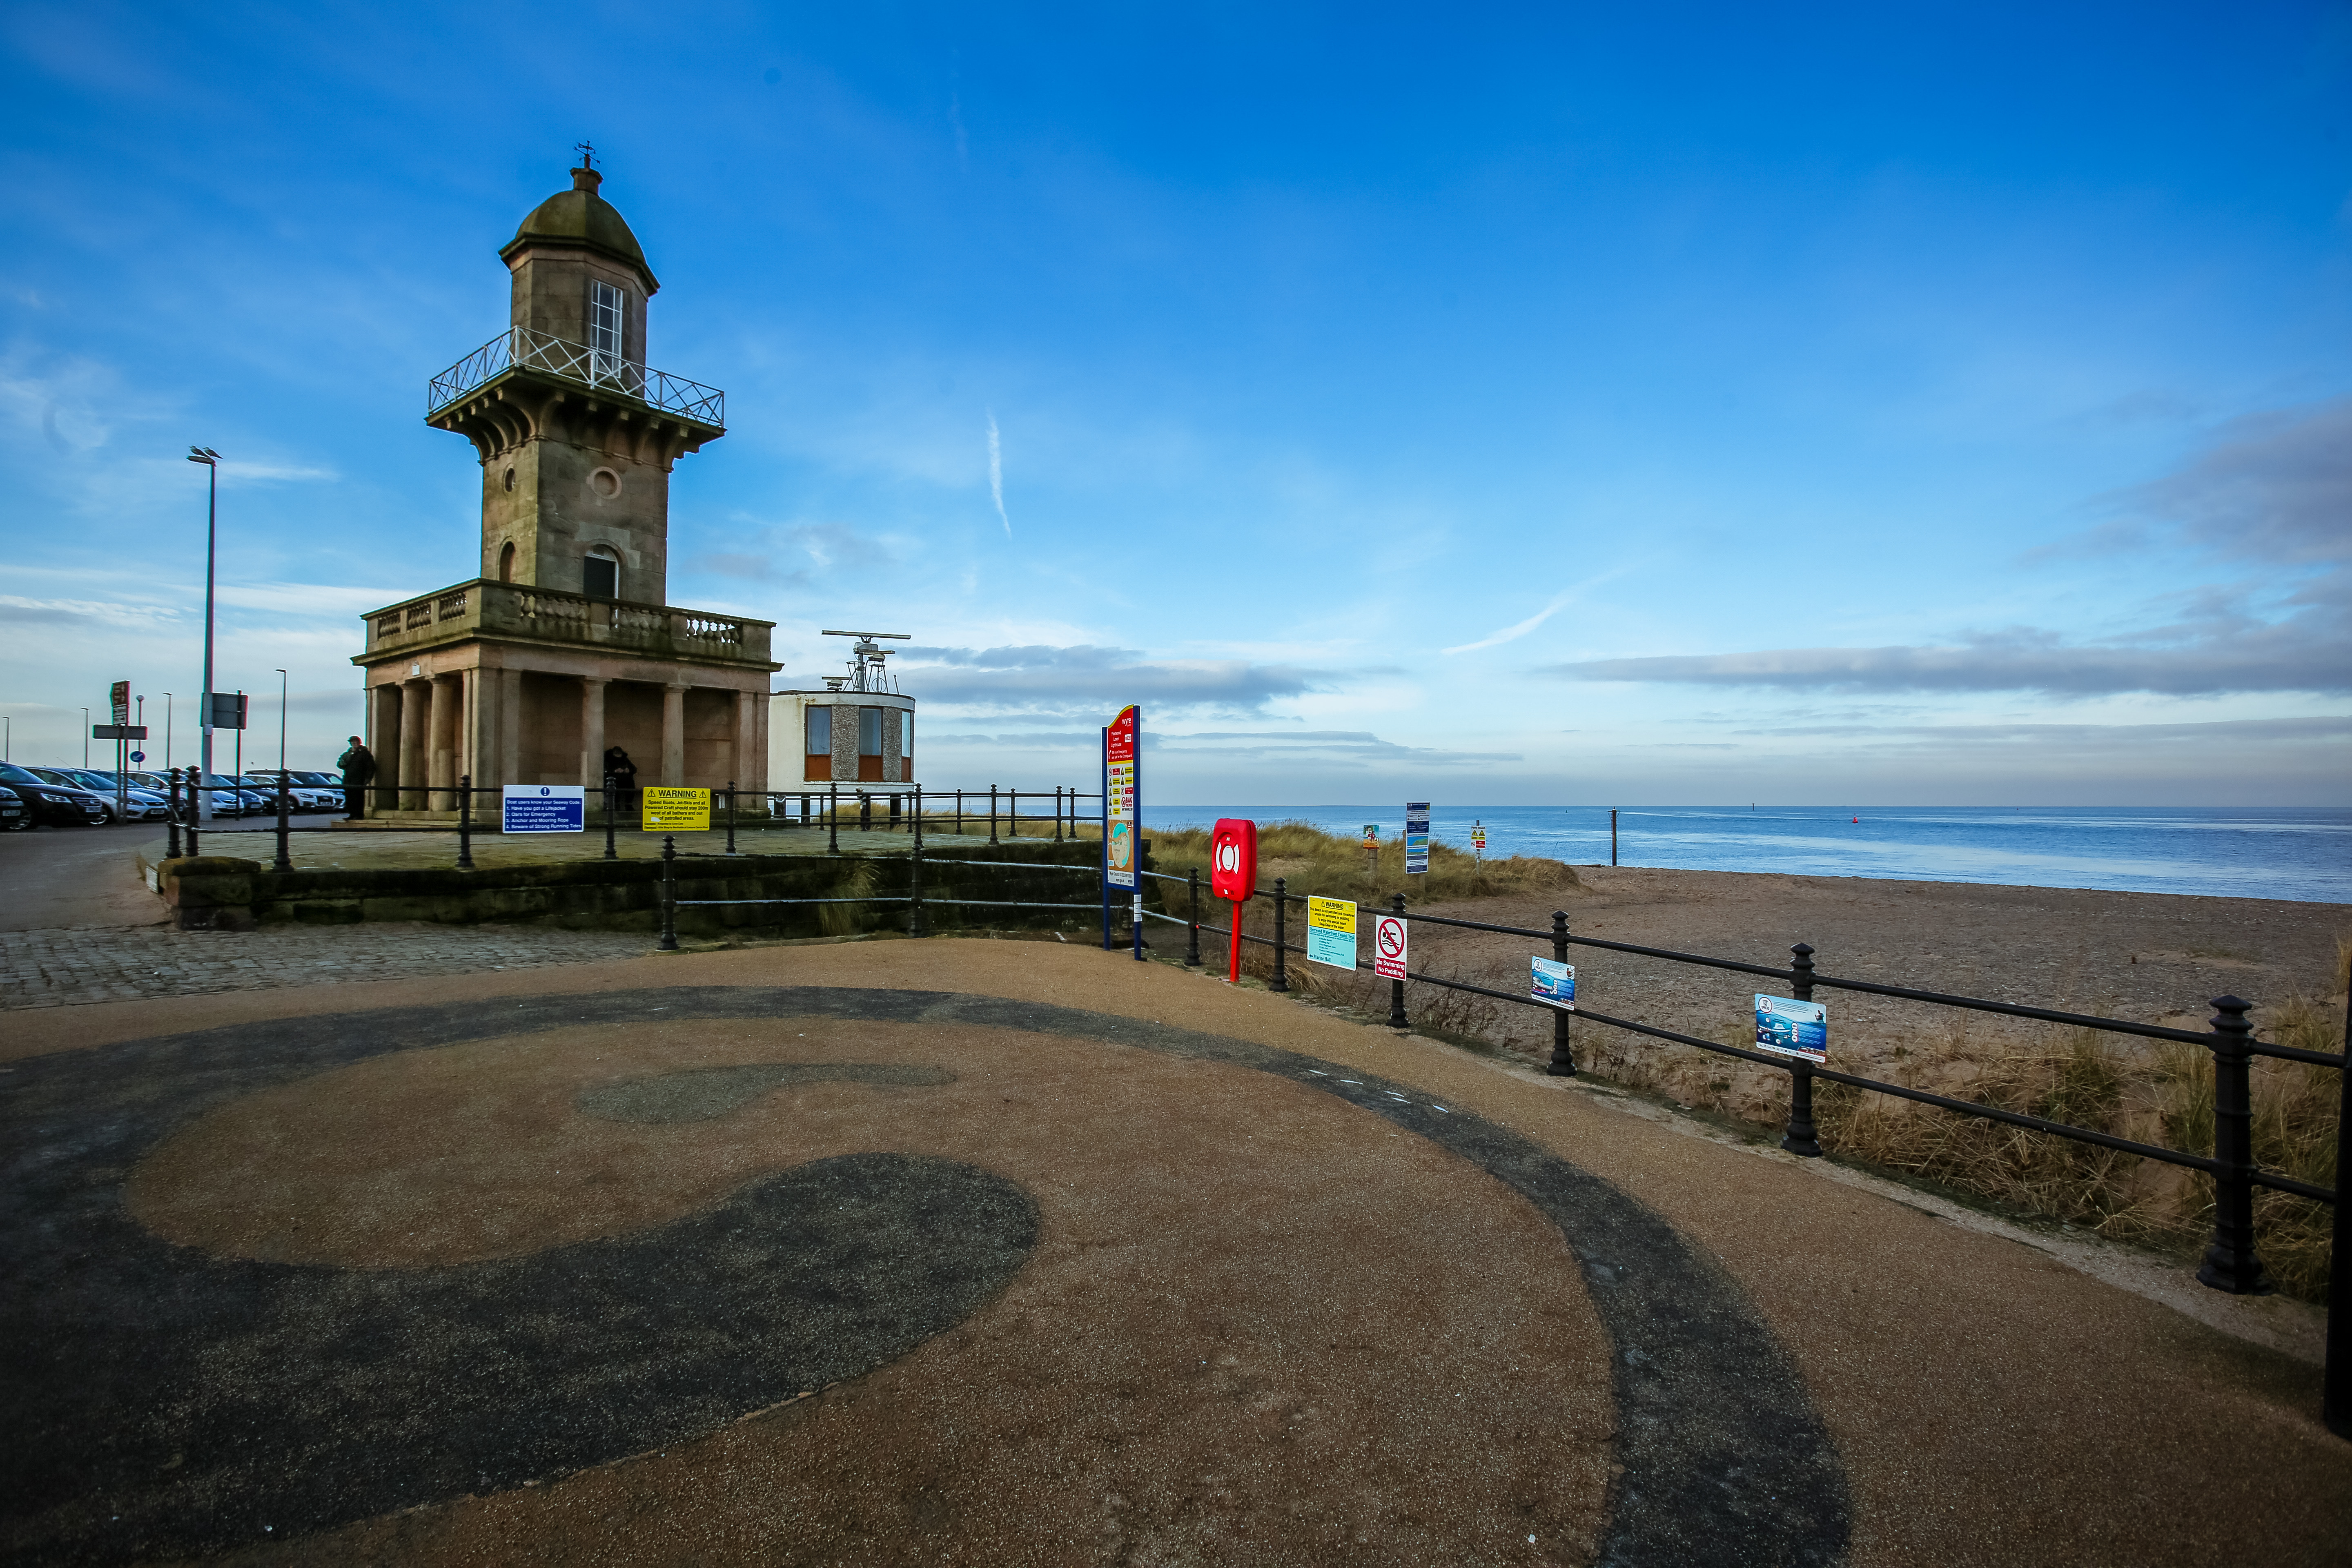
(969, 1251)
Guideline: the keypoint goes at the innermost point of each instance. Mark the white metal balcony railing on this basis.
(520, 348)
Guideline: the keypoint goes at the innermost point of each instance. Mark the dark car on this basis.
(13, 815)
(60, 804)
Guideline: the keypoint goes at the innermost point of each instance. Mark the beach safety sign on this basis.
(1417, 838)
(543, 808)
(1553, 984)
(1792, 1029)
(1331, 933)
(1389, 946)
(1120, 798)
(671, 810)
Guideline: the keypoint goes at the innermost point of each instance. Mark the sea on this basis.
(2297, 853)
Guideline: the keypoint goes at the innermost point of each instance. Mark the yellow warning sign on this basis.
(675, 810)
(1331, 933)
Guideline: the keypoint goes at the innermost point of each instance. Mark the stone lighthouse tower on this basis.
(565, 643)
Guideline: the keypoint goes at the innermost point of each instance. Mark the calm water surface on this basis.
(2252, 853)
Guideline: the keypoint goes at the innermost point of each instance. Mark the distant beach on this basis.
(2303, 854)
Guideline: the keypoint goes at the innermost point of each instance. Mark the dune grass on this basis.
(1315, 862)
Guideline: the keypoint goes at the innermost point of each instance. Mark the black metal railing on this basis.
(2232, 1262)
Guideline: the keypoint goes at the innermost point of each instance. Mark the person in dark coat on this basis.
(359, 766)
(621, 778)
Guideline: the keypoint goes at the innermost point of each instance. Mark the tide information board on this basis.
(1553, 984)
(669, 809)
(1417, 838)
(1331, 933)
(543, 808)
(1791, 1028)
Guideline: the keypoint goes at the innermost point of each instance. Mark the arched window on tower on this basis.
(506, 561)
(600, 574)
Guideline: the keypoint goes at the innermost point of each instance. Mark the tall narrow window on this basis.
(506, 563)
(869, 731)
(820, 731)
(607, 319)
(599, 577)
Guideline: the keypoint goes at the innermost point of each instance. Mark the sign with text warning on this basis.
(1121, 797)
(1331, 933)
(543, 808)
(672, 810)
(1233, 858)
(1389, 944)
(1417, 838)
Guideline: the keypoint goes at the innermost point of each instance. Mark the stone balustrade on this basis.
(513, 612)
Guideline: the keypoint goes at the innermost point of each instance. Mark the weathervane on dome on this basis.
(587, 151)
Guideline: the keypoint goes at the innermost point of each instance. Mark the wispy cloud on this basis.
(1082, 679)
(996, 474)
(1561, 601)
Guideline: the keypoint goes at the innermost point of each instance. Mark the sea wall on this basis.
(220, 892)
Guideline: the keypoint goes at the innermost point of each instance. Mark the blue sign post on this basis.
(1417, 838)
(543, 808)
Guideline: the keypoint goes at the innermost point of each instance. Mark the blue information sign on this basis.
(544, 809)
(1417, 838)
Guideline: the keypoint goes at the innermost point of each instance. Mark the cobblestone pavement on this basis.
(58, 968)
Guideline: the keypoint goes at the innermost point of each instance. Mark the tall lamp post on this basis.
(85, 737)
(211, 460)
(167, 731)
(281, 726)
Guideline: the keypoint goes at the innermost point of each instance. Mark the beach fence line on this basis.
(2232, 1262)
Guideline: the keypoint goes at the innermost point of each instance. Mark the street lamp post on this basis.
(85, 737)
(167, 731)
(211, 460)
(282, 725)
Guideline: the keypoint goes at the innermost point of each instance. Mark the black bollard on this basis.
(465, 822)
(171, 790)
(1802, 1138)
(195, 812)
(731, 816)
(2231, 1263)
(285, 861)
(1281, 981)
(1396, 987)
(669, 943)
(1193, 928)
(1564, 1060)
(832, 819)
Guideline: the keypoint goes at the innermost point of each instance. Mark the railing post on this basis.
(1281, 981)
(2336, 1384)
(1012, 815)
(992, 813)
(915, 926)
(919, 819)
(669, 943)
(832, 819)
(959, 814)
(2231, 1263)
(865, 812)
(1396, 987)
(284, 862)
(465, 822)
(1057, 813)
(610, 852)
(731, 816)
(1802, 1138)
(195, 810)
(171, 792)
(1192, 930)
(1563, 1059)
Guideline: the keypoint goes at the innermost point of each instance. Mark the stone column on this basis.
(750, 761)
(673, 765)
(483, 692)
(384, 739)
(447, 696)
(509, 739)
(592, 732)
(415, 745)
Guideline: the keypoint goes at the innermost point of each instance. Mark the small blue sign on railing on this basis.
(1792, 1029)
(543, 808)
(1553, 984)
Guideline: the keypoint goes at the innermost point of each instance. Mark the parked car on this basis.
(14, 817)
(138, 802)
(305, 796)
(329, 787)
(64, 805)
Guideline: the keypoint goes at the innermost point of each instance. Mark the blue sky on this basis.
(1893, 403)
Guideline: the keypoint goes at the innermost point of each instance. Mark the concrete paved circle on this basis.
(301, 1273)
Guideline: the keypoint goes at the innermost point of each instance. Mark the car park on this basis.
(62, 804)
(136, 801)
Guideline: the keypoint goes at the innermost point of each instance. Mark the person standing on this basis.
(359, 766)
